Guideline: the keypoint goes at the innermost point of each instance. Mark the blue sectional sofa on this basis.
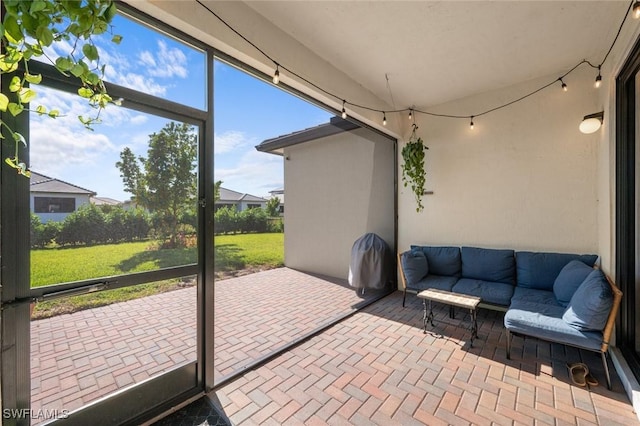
(557, 297)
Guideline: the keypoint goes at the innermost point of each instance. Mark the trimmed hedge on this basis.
(92, 224)
(228, 220)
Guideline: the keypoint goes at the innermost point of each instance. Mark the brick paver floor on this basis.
(77, 358)
(378, 368)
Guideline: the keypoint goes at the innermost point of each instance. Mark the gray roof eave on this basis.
(335, 126)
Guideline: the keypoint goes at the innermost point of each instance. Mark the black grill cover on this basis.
(370, 263)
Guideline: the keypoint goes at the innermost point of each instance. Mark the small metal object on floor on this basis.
(200, 412)
(452, 299)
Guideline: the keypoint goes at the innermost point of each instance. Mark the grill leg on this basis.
(509, 337)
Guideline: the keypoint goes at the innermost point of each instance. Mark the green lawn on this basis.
(234, 252)
(52, 266)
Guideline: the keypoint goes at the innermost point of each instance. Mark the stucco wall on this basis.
(338, 188)
(524, 178)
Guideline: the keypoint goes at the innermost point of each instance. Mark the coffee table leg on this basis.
(424, 316)
(474, 325)
(427, 317)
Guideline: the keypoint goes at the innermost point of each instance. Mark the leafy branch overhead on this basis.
(29, 30)
(413, 173)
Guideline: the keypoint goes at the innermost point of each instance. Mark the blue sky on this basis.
(246, 112)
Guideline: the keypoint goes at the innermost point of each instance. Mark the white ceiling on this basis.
(437, 51)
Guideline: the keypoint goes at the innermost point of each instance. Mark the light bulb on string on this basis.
(636, 10)
(598, 79)
(276, 75)
(564, 86)
(410, 114)
(471, 123)
(384, 118)
(344, 111)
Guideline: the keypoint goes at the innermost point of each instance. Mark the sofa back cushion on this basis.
(569, 279)
(442, 260)
(591, 303)
(415, 266)
(540, 270)
(489, 265)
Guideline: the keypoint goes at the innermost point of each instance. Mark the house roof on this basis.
(99, 201)
(334, 126)
(230, 196)
(41, 183)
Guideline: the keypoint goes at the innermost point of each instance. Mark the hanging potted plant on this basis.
(413, 173)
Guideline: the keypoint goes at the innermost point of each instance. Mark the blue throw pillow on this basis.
(569, 279)
(415, 266)
(591, 303)
(442, 260)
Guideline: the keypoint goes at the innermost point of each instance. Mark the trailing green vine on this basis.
(413, 173)
(28, 28)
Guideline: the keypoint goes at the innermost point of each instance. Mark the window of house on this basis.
(54, 204)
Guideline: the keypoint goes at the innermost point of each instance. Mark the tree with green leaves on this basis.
(27, 29)
(273, 207)
(216, 190)
(165, 182)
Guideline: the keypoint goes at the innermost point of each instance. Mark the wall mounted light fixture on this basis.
(592, 122)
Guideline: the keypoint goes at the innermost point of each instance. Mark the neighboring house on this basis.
(53, 199)
(229, 198)
(279, 194)
(105, 201)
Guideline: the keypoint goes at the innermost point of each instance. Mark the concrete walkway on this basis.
(80, 357)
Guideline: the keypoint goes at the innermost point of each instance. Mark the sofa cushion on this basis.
(533, 295)
(540, 270)
(414, 265)
(442, 260)
(569, 279)
(489, 265)
(545, 322)
(591, 303)
(438, 282)
(489, 292)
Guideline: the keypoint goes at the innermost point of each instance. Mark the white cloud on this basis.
(138, 119)
(167, 62)
(256, 173)
(230, 141)
(146, 58)
(65, 147)
(70, 106)
(140, 83)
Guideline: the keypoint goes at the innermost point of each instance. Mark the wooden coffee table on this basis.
(452, 299)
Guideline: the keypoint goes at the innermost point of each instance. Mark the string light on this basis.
(634, 6)
(564, 86)
(384, 118)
